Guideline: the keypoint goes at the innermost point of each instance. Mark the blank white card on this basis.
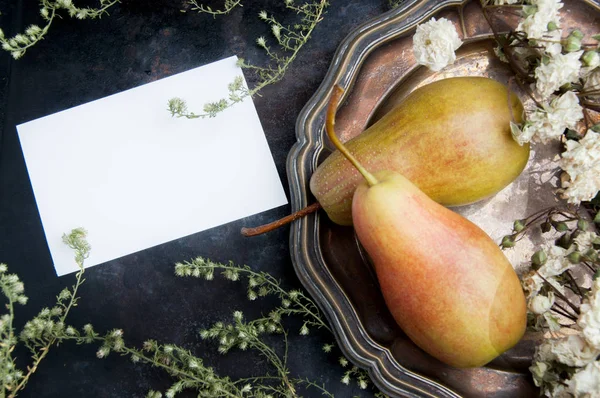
(134, 177)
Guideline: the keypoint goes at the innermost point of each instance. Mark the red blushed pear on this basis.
(445, 281)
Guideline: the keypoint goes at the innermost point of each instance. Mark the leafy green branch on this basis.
(44, 330)
(49, 10)
(227, 7)
(189, 372)
(290, 40)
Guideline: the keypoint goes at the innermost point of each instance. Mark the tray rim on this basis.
(389, 376)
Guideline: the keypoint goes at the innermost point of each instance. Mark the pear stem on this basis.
(334, 102)
(281, 222)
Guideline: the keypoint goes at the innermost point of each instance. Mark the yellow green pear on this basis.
(451, 138)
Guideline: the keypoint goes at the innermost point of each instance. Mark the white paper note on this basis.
(134, 177)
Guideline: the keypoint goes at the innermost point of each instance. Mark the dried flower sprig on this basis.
(290, 40)
(559, 296)
(245, 335)
(260, 284)
(228, 6)
(43, 331)
(237, 92)
(49, 9)
(189, 372)
(564, 72)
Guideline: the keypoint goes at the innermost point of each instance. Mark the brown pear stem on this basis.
(334, 102)
(282, 221)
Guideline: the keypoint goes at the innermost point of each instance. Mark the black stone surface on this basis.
(81, 61)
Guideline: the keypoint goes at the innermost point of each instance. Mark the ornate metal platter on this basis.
(376, 66)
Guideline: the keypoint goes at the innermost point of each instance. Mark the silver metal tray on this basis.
(376, 67)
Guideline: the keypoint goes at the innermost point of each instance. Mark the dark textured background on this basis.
(81, 61)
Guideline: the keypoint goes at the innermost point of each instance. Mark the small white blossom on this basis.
(238, 315)
(503, 2)
(246, 388)
(536, 24)
(362, 384)
(538, 371)
(540, 303)
(572, 351)
(556, 264)
(560, 70)
(551, 42)
(586, 382)
(550, 122)
(589, 318)
(304, 330)
(435, 42)
(102, 352)
(346, 379)
(581, 161)
(584, 240)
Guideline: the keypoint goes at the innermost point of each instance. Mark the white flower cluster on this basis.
(581, 161)
(550, 121)
(563, 73)
(561, 69)
(589, 319)
(435, 43)
(542, 24)
(580, 352)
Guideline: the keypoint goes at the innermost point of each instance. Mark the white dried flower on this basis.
(541, 304)
(102, 352)
(584, 240)
(536, 24)
(581, 161)
(589, 318)
(538, 371)
(304, 330)
(238, 315)
(586, 382)
(503, 2)
(551, 42)
(572, 351)
(561, 69)
(556, 263)
(246, 388)
(550, 122)
(435, 42)
(346, 379)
